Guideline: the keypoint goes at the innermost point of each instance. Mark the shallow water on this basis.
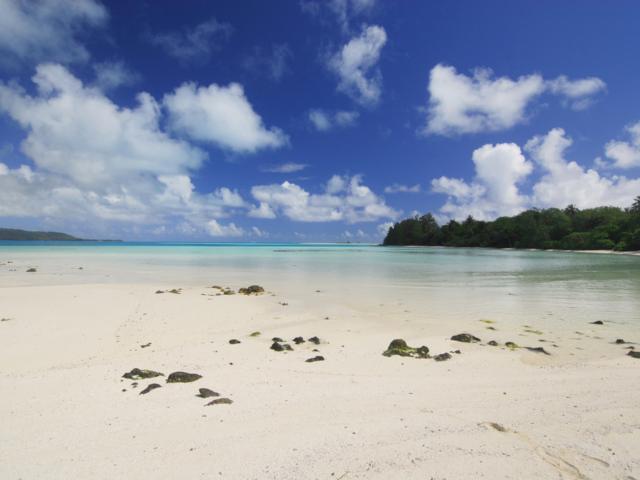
(441, 281)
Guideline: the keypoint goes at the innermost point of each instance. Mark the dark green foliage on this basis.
(17, 235)
(602, 228)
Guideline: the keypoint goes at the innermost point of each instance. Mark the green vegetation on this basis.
(602, 228)
(18, 235)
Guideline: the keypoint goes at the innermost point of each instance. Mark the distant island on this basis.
(19, 235)
(602, 228)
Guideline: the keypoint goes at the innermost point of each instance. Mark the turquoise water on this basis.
(443, 280)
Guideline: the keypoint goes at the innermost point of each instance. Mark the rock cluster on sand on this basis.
(139, 374)
(251, 290)
(183, 377)
(281, 347)
(465, 338)
(399, 347)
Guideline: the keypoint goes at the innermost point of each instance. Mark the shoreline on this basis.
(634, 253)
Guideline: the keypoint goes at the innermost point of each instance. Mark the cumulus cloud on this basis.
(192, 44)
(494, 191)
(324, 121)
(272, 63)
(355, 64)
(344, 199)
(399, 188)
(111, 75)
(217, 229)
(289, 167)
(461, 104)
(501, 170)
(566, 182)
(34, 31)
(97, 160)
(383, 228)
(222, 116)
(625, 154)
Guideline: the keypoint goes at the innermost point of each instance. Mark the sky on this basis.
(310, 120)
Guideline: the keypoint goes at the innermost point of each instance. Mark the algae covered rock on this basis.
(183, 377)
(251, 290)
(399, 347)
(220, 401)
(493, 343)
(511, 345)
(634, 354)
(139, 374)
(465, 338)
(234, 341)
(207, 393)
(151, 386)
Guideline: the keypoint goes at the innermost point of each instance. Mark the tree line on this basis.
(601, 228)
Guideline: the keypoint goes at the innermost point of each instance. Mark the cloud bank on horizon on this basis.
(210, 129)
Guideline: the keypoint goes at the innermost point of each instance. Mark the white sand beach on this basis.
(68, 336)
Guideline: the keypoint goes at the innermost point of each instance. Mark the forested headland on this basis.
(601, 228)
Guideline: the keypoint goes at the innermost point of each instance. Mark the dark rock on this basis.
(298, 340)
(317, 358)
(206, 393)
(176, 291)
(315, 340)
(634, 354)
(277, 339)
(399, 347)
(493, 343)
(511, 345)
(31, 270)
(251, 290)
(597, 322)
(159, 291)
(145, 345)
(465, 337)
(183, 377)
(234, 341)
(139, 374)
(281, 347)
(537, 350)
(254, 334)
(220, 401)
(229, 292)
(442, 357)
(151, 386)
(620, 341)
(457, 352)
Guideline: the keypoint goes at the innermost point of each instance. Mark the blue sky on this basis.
(311, 120)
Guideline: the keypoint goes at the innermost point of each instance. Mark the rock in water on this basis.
(281, 347)
(139, 374)
(277, 339)
(31, 270)
(317, 358)
(251, 290)
(465, 338)
(634, 354)
(220, 401)
(234, 341)
(493, 343)
(183, 377)
(597, 322)
(442, 357)
(538, 350)
(620, 341)
(511, 345)
(298, 340)
(151, 386)
(315, 340)
(400, 347)
(206, 393)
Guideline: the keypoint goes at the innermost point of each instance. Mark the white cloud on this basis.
(289, 167)
(566, 182)
(111, 75)
(355, 65)
(101, 162)
(383, 228)
(625, 154)
(399, 188)
(263, 210)
(34, 31)
(579, 92)
(193, 44)
(258, 233)
(494, 191)
(344, 199)
(461, 104)
(216, 229)
(273, 63)
(501, 170)
(324, 121)
(222, 116)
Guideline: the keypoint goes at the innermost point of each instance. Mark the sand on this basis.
(489, 412)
